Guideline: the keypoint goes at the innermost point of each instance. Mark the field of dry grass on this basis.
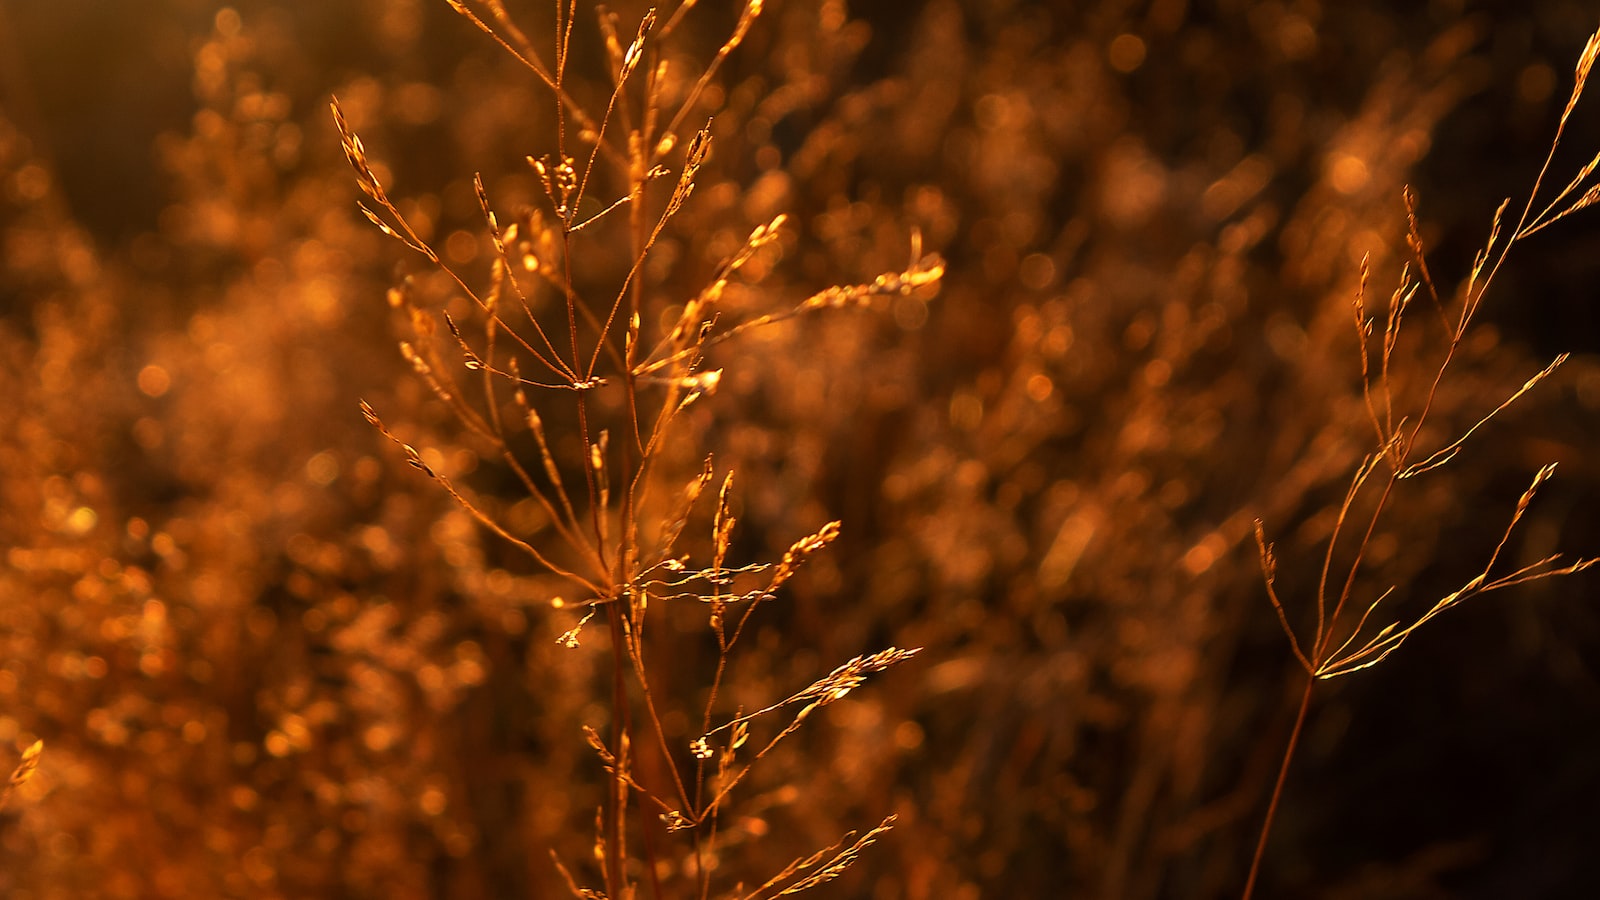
(943, 449)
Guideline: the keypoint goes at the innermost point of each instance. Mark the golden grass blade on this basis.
(829, 863)
(1341, 662)
(414, 459)
(832, 687)
(1269, 571)
(747, 17)
(926, 272)
(1446, 453)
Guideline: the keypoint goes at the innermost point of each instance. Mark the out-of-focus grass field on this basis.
(267, 658)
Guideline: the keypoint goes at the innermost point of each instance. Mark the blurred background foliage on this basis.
(268, 659)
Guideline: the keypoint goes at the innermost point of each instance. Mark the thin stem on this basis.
(615, 856)
(1277, 789)
(1320, 651)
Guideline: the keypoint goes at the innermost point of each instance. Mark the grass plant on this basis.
(831, 448)
(1402, 451)
(622, 552)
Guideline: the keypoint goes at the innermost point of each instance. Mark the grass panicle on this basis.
(1338, 647)
(602, 521)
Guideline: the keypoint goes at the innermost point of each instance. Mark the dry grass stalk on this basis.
(1338, 647)
(829, 863)
(599, 346)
